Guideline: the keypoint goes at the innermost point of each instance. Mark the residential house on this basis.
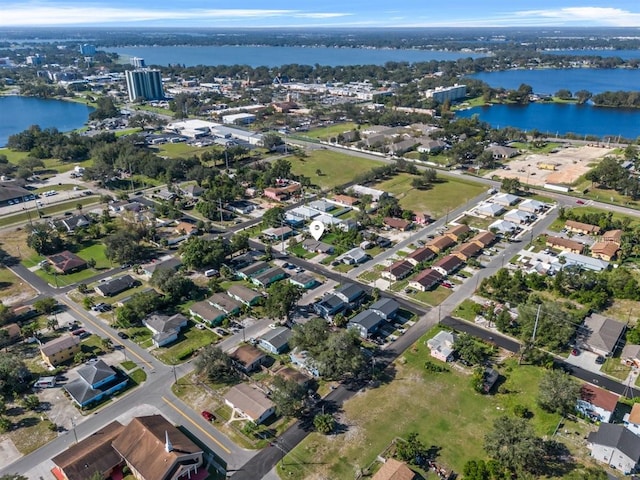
(366, 323)
(422, 218)
(420, 255)
(172, 263)
(185, 228)
(250, 403)
(12, 334)
(72, 223)
(302, 360)
(155, 449)
(466, 251)
(519, 216)
(241, 207)
(532, 206)
(502, 226)
(403, 146)
(354, 256)
(447, 265)
(605, 250)
(616, 446)
(322, 206)
(583, 228)
(441, 346)
(564, 244)
(601, 335)
(165, 328)
(458, 232)
(60, 349)
(192, 191)
(351, 293)
(584, 262)
(375, 193)
(631, 420)
(116, 286)
(266, 278)
(248, 358)
(96, 382)
(207, 313)
(276, 340)
(244, 294)
(346, 200)
(311, 245)
(397, 271)
(397, 223)
(302, 213)
(66, 262)
(282, 193)
(506, 199)
(426, 280)
(225, 303)
(304, 280)
(248, 272)
(293, 375)
(484, 239)
(431, 146)
(596, 403)
(613, 236)
(631, 355)
(500, 152)
(441, 243)
(387, 308)
(393, 469)
(489, 210)
(329, 306)
(91, 457)
(280, 233)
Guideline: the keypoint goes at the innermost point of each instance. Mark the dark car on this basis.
(208, 416)
(600, 359)
(123, 335)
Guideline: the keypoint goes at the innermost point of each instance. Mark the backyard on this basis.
(443, 410)
(189, 340)
(335, 168)
(441, 198)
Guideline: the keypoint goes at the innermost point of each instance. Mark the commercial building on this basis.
(144, 84)
(442, 94)
(60, 350)
(87, 50)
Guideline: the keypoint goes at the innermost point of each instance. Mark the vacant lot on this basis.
(335, 168)
(441, 407)
(13, 289)
(325, 133)
(441, 198)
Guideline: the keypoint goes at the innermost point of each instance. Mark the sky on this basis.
(327, 13)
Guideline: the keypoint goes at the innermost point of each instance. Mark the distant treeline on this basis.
(617, 99)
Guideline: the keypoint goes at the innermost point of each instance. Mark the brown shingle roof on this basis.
(612, 236)
(585, 227)
(247, 354)
(248, 399)
(401, 268)
(467, 250)
(608, 249)
(59, 344)
(421, 254)
(484, 239)
(142, 445)
(441, 242)
(66, 261)
(599, 397)
(565, 243)
(392, 469)
(427, 277)
(448, 263)
(91, 455)
(457, 231)
(398, 223)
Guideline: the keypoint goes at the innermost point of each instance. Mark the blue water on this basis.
(553, 118)
(255, 56)
(549, 81)
(19, 113)
(623, 54)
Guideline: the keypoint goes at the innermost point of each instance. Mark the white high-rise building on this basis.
(144, 84)
(137, 62)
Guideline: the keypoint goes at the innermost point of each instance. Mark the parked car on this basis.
(600, 359)
(199, 326)
(575, 352)
(208, 416)
(123, 335)
(580, 202)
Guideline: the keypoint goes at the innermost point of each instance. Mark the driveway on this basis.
(585, 360)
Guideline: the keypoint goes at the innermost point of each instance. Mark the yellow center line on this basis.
(107, 333)
(196, 425)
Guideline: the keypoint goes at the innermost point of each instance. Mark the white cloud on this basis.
(321, 15)
(591, 15)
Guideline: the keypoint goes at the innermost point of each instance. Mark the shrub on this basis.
(434, 367)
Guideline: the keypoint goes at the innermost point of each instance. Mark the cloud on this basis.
(39, 14)
(591, 15)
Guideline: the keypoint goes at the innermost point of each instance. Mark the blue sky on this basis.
(328, 13)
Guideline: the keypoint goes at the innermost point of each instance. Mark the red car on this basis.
(580, 202)
(208, 416)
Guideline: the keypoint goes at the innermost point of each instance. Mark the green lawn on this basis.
(138, 376)
(441, 198)
(612, 366)
(465, 310)
(433, 297)
(300, 252)
(190, 340)
(325, 133)
(91, 250)
(336, 168)
(175, 150)
(60, 188)
(441, 407)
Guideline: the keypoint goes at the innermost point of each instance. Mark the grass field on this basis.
(175, 150)
(325, 133)
(336, 168)
(433, 297)
(441, 407)
(60, 188)
(91, 250)
(438, 200)
(189, 339)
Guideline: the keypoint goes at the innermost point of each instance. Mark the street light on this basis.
(73, 424)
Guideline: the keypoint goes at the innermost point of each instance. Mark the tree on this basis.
(310, 336)
(43, 238)
(510, 185)
(470, 349)
(123, 247)
(513, 443)
(583, 96)
(13, 374)
(341, 356)
(32, 402)
(214, 364)
(558, 392)
(288, 396)
(411, 450)
(281, 299)
(175, 285)
(563, 94)
(273, 217)
(271, 141)
(198, 252)
(13, 476)
(45, 306)
(324, 423)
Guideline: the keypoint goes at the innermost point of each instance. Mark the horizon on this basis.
(333, 14)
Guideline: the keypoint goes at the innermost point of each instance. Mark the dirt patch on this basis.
(562, 167)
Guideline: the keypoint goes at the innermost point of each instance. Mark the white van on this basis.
(211, 273)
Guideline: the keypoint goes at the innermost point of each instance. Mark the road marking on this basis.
(107, 333)
(196, 425)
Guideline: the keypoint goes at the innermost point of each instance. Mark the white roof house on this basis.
(489, 209)
(532, 206)
(583, 261)
(518, 216)
(503, 226)
(374, 192)
(441, 346)
(506, 199)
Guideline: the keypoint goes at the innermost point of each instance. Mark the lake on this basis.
(549, 81)
(19, 113)
(554, 118)
(256, 56)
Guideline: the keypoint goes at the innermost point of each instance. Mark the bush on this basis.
(521, 411)
(434, 367)
(5, 424)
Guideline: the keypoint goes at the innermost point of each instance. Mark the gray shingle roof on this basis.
(619, 437)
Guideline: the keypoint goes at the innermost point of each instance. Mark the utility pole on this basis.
(73, 424)
(535, 325)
